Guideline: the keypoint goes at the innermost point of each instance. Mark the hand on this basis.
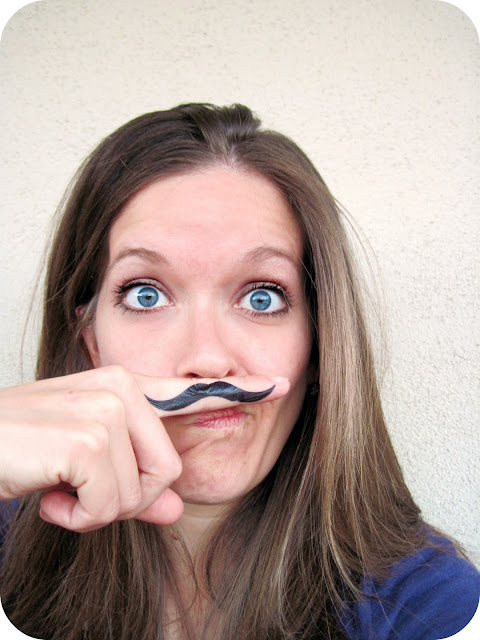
(95, 433)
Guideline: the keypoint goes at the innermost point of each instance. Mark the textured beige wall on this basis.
(383, 95)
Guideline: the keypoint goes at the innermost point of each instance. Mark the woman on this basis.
(199, 255)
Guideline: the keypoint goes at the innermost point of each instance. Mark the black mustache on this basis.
(201, 390)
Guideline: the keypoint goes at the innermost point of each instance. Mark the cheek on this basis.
(289, 356)
(292, 403)
(138, 348)
(138, 356)
(282, 346)
(284, 353)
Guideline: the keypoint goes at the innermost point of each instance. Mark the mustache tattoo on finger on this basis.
(201, 390)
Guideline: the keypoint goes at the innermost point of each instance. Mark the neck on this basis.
(196, 524)
(191, 533)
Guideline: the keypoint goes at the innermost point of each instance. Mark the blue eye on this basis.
(145, 297)
(263, 301)
(260, 300)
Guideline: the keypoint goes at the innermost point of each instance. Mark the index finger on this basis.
(180, 396)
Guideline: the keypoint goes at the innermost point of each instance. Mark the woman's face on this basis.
(205, 280)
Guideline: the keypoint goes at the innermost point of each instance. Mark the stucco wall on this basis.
(383, 95)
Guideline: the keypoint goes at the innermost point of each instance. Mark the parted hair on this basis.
(291, 554)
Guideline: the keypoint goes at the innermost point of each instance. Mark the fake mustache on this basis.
(201, 390)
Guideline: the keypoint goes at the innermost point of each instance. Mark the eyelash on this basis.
(119, 293)
(280, 289)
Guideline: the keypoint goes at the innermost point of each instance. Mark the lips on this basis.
(221, 419)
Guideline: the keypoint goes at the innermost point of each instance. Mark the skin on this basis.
(93, 432)
(202, 239)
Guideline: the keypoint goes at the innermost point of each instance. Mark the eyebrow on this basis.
(259, 254)
(266, 252)
(147, 255)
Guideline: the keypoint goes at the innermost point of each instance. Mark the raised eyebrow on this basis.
(266, 252)
(147, 255)
(258, 254)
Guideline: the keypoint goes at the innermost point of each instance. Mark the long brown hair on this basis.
(334, 508)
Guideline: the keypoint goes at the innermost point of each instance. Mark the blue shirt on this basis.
(430, 595)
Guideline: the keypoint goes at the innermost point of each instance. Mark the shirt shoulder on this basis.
(430, 595)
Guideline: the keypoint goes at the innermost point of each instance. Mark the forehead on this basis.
(216, 210)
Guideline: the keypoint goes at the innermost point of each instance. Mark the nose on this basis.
(206, 351)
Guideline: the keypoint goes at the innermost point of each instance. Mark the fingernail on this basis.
(279, 379)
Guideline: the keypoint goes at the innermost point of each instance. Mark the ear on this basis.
(90, 340)
(89, 337)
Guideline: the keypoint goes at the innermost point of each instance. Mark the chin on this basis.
(212, 488)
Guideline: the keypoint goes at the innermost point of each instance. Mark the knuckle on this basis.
(165, 473)
(173, 467)
(109, 404)
(95, 440)
(178, 468)
(117, 375)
